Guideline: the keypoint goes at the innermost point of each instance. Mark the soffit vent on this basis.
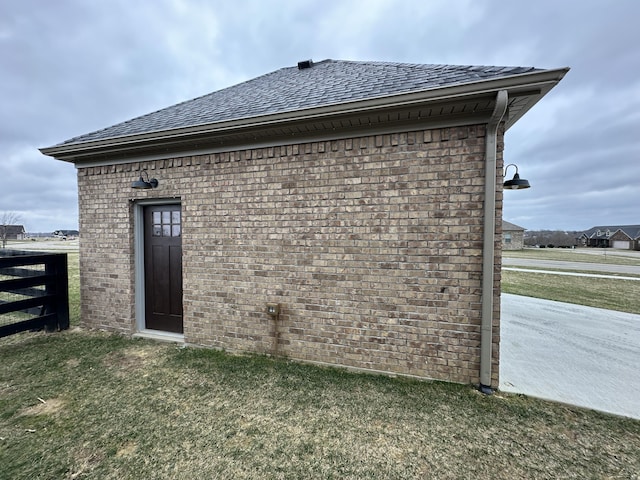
(304, 64)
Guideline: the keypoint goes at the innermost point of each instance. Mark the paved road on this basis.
(557, 264)
(574, 354)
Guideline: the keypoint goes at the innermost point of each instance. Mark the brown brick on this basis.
(372, 245)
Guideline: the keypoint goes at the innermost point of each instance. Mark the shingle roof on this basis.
(291, 89)
(13, 229)
(633, 231)
(510, 227)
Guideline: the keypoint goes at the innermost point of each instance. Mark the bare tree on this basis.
(6, 220)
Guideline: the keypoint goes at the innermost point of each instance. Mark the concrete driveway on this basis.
(568, 353)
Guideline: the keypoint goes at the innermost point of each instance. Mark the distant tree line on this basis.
(551, 238)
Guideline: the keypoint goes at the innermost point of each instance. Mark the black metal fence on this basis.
(34, 291)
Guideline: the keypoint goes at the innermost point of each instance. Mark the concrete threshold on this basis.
(160, 336)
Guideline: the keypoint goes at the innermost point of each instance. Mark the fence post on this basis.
(57, 266)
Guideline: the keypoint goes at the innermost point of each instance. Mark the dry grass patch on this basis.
(84, 460)
(131, 359)
(127, 450)
(51, 406)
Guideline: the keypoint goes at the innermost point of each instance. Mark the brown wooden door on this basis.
(163, 268)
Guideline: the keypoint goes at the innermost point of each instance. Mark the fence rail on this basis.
(34, 291)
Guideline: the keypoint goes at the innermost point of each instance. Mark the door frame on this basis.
(139, 281)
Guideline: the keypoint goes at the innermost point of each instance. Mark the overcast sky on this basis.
(72, 67)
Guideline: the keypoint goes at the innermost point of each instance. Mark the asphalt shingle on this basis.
(633, 231)
(290, 89)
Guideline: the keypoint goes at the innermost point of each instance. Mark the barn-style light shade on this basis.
(143, 184)
(516, 183)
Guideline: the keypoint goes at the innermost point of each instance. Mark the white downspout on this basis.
(488, 260)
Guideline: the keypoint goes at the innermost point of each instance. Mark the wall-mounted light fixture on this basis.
(516, 183)
(141, 183)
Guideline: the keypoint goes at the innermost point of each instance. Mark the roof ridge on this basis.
(443, 65)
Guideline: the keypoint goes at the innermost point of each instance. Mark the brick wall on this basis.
(372, 245)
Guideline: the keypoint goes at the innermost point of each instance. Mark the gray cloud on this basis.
(71, 67)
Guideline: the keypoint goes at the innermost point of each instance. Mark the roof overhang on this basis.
(466, 104)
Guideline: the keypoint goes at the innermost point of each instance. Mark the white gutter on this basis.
(488, 255)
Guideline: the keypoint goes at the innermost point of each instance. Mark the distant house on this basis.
(13, 232)
(331, 212)
(64, 234)
(625, 237)
(512, 236)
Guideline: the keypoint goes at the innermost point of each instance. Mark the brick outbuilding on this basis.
(512, 236)
(330, 212)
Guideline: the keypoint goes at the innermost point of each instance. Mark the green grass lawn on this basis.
(612, 294)
(90, 405)
(96, 406)
(73, 263)
(609, 293)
